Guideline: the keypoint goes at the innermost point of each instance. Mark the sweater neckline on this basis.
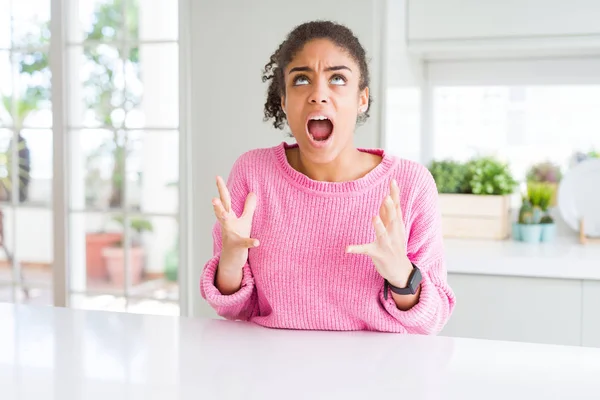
(357, 186)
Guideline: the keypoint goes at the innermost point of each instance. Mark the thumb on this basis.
(249, 206)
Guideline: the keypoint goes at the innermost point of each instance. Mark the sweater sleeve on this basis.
(243, 304)
(426, 250)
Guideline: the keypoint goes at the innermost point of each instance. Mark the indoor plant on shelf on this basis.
(546, 172)
(535, 223)
(114, 256)
(474, 197)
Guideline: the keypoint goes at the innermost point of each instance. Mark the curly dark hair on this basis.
(294, 42)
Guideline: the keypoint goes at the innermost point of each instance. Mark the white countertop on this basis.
(63, 354)
(564, 259)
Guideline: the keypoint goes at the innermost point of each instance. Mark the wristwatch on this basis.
(414, 280)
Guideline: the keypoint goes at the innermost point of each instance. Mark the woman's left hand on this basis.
(388, 251)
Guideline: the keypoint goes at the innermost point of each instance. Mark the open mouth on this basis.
(319, 128)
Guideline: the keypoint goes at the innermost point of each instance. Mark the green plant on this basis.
(106, 94)
(489, 176)
(544, 172)
(526, 212)
(31, 94)
(449, 176)
(138, 226)
(540, 194)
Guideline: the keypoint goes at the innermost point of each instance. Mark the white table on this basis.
(63, 354)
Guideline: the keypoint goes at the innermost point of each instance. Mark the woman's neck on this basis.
(351, 164)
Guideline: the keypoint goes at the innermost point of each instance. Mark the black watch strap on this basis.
(414, 280)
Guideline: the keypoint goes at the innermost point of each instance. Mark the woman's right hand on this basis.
(235, 231)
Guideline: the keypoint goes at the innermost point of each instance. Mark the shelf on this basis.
(563, 259)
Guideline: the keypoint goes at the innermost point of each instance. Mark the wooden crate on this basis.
(475, 216)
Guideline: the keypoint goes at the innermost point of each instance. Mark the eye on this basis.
(300, 80)
(338, 80)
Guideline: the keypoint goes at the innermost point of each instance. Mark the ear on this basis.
(363, 100)
(283, 104)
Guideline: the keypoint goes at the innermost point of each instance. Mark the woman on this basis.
(320, 234)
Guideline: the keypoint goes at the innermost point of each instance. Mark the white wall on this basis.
(403, 82)
(231, 43)
(470, 19)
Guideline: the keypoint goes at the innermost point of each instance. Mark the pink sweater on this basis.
(300, 277)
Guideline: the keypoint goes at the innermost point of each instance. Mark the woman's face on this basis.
(322, 99)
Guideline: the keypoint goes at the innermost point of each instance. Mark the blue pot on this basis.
(516, 231)
(531, 233)
(548, 232)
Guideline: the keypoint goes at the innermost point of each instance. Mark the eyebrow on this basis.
(334, 68)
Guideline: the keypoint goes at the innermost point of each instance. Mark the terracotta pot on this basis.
(94, 244)
(114, 258)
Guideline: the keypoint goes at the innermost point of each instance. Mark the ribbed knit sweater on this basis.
(300, 276)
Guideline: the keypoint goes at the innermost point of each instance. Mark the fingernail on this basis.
(394, 182)
(255, 243)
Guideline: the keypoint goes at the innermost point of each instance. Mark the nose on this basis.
(320, 94)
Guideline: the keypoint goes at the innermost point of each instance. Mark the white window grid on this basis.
(61, 17)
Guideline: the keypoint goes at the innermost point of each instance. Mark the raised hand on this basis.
(388, 251)
(235, 231)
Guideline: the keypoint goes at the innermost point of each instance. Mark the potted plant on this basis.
(530, 230)
(114, 256)
(474, 197)
(547, 193)
(546, 172)
(535, 223)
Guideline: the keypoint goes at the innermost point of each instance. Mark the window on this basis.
(522, 124)
(25, 152)
(123, 146)
(122, 136)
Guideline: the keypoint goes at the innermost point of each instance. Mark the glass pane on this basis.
(158, 19)
(6, 180)
(96, 20)
(7, 242)
(153, 86)
(31, 105)
(5, 24)
(98, 92)
(154, 257)
(96, 169)
(522, 124)
(35, 166)
(35, 254)
(95, 242)
(6, 88)
(31, 23)
(153, 171)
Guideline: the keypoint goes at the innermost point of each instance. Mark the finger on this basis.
(242, 242)
(367, 249)
(250, 205)
(384, 213)
(220, 212)
(396, 198)
(224, 194)
(395, 192)
(380, 229)
(247, 242)
(391, 209)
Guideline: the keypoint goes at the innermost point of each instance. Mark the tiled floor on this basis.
(156, 296)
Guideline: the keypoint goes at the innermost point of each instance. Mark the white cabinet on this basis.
(591, 314)
(481, 19)
(539, 310)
